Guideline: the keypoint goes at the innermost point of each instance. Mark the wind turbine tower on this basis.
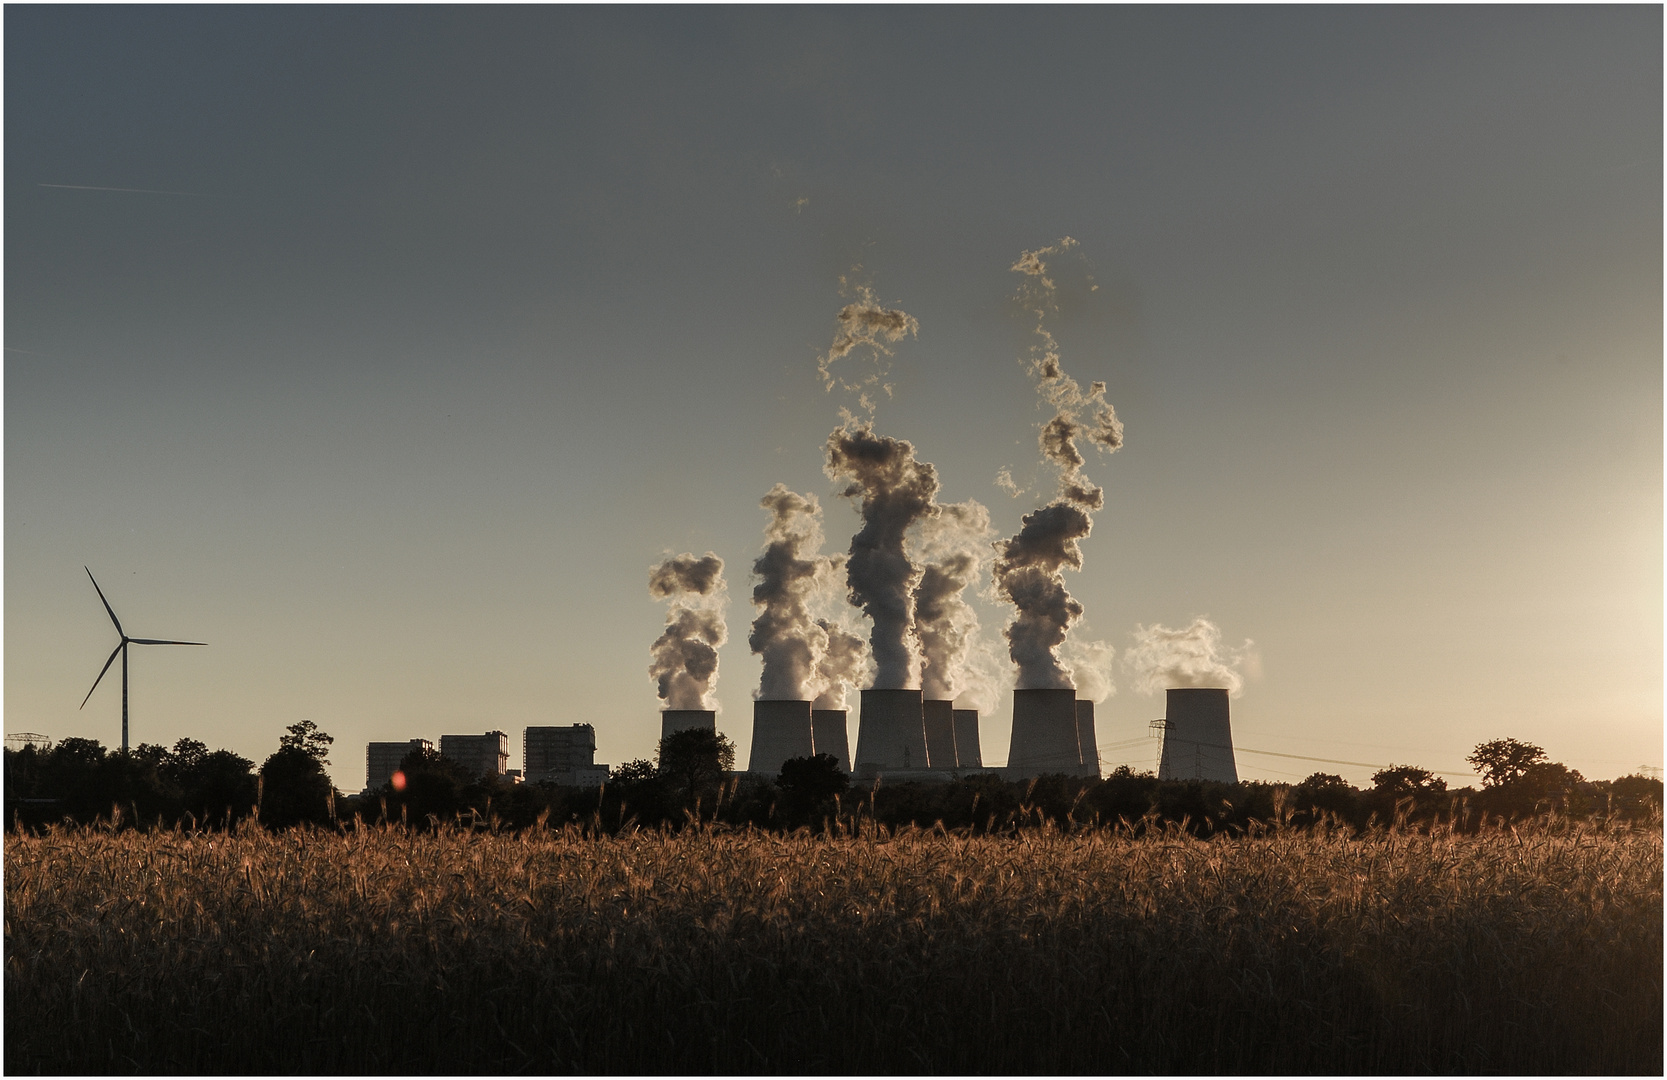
(122, 648)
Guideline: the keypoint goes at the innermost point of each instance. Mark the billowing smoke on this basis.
(791, 575)
(895, 491)
(843, 665)
(686, 655)
(953, 540)
(865, 326)
(1192, 656)
(1090, 664)
(1028, 567)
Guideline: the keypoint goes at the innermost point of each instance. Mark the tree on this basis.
(295, 787)
(809, 780)
(1503, 760)
(305, 736)
(1400, 781)
(696, 759)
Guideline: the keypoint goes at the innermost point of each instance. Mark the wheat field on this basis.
(1533, 950)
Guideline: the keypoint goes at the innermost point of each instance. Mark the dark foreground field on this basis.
(1529, 951)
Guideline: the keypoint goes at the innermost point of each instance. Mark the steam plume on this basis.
(895, 492)
(842, 665)
(1028, 567)
(1192, 656)
(952, 544)
(790, 575)
(685, 661)
(864, 324)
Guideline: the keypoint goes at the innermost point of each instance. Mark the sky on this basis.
(386, 349)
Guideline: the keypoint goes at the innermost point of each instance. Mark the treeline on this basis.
(691, 779)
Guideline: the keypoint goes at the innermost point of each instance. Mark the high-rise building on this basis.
(482, 755)
(382, 759)
(562, 755)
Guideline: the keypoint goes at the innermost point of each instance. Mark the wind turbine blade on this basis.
(107, 606)
(159, 641)
(100, 678)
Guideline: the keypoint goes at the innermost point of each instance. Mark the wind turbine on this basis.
(122, 648)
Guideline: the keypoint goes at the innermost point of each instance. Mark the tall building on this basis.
(482, 755)
(382, 759)
(562, 755)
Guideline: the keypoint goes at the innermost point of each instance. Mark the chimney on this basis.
(967, 752)
(939, 719)
(828, 735)
(780, 730)
(891, 730)
(1088, 746)
(1197, 737)
(675, 720)
(1044, 734)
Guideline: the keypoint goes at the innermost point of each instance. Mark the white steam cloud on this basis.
(790, 575)
(1192, 656)
(1028, 567)
(894, 491)
(951, 545)
(685, 664)
(866, 327)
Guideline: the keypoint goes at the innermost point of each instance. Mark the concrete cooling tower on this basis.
(1197, 737)
(828, 735)
(891, 730)
(1044, 734)
(967, 752)
(780, 730)
(674, 720)
(1088, 744)
(939, 719)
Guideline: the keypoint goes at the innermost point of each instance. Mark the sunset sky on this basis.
(385, 350)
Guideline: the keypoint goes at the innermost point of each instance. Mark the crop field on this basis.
(1528, 950)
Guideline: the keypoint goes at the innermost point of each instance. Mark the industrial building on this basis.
(968, 752)
(828, 735)
(1197, 736)
(382, 759)
(482, 755)
(675, 720)
(891, 731)
(780, 730)
(562, 755)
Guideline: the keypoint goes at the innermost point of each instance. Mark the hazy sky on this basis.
(430, 330)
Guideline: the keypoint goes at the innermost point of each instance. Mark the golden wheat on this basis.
(376, 950)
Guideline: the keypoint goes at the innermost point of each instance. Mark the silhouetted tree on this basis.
(695, 760)
(295, 787)
(1501, 761)
(1400, 781)
(305, 736)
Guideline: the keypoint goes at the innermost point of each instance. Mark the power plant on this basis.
(780, 730)
(939, 717)
(675, 720)
(891, 731)
(1047, 738)
(968, 755)
(1197, 736)
(828, 735)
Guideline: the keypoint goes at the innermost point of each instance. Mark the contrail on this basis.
(125, 190)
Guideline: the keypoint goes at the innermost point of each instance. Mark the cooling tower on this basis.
(967, 753)
(780, 730)
(674, 720)
(828, 735)
(1197, 737)
(1088, 746)
(891, 730)
(1044, 734)
(939, 719)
